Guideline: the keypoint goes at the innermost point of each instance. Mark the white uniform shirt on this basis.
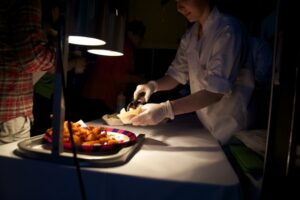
(215, 63)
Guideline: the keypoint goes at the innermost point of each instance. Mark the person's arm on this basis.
(195, 102)
(166, 83)
(154, 113)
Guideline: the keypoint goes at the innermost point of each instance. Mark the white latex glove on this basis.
(148, 88)
(153, 114)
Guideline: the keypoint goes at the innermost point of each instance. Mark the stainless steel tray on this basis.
(37, 148)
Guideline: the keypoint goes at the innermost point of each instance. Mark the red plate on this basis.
(123, 137)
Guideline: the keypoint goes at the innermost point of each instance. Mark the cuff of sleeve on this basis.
(153, 85)
(169, 110)
(180, 77)
(218, 85)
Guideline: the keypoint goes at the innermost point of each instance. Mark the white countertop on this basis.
(178, 154)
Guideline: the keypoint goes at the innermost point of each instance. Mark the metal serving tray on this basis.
(37, 148)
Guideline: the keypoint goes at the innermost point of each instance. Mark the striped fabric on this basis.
(23, 50)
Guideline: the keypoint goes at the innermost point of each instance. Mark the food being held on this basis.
(89, 135)
(126, 116)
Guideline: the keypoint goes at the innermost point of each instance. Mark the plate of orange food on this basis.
(92, 138)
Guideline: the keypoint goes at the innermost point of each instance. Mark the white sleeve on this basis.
(225, 60)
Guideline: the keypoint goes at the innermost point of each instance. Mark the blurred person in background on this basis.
(43, 88)
(24, 49)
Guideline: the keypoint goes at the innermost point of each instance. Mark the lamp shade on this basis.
(82, 18)
(112, 30)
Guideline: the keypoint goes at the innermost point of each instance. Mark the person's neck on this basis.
(202, 19)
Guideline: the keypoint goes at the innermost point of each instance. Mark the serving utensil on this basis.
(137, 102)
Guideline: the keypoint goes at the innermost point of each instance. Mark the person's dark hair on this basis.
(213, 3)
(136, 27)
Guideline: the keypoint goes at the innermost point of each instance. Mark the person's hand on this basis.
(148, 89)
(153, 114)
(78, 64)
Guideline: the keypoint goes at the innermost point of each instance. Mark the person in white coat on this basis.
(210, 59)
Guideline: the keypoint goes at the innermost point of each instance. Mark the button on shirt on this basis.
(214, 62)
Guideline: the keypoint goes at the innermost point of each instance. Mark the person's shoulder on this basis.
(231, 21)
(227, 23)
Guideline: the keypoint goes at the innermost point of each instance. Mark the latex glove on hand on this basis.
(153, 114)
(148, 89)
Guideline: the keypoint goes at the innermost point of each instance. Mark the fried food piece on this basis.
(85, 135)
(77, 139)
(91, 137)
(112, 141)
(91, 142)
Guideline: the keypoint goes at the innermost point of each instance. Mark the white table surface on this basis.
(178, 160)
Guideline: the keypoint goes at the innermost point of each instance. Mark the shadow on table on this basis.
(153, 144)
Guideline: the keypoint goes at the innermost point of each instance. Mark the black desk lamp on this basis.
(112, 30)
